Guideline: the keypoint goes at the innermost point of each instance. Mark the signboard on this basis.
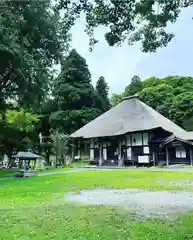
(143, 159)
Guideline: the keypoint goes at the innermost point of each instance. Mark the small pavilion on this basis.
(27, 163)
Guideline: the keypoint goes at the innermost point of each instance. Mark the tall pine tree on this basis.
(74, 95)
(134, 87)
(102, 91)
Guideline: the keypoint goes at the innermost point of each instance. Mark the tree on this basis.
(151, 82)
(32, 38)
(62, 145)
(74, 95)
(134, 87)
(17, 131)
(158, 97)
(181, 110)
(142, 21)
(47, 108)
(102, 91)
(22, 120)
(116, 99)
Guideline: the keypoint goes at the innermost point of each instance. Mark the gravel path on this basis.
(69, 171)
(145, 204)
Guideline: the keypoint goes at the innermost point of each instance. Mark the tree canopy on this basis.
(115, 99)
(141, 21)
(74, 95)
(135, 86)
(31, 40)
(102, 92)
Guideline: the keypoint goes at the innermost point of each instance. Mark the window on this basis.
(137, 139)
(143, 159)
(128, 141)
(180, 152)
(146, 150)
(145, 138)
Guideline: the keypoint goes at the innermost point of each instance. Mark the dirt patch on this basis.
(145, 204)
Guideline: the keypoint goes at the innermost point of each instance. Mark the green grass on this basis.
(4, 174)
(34, 208)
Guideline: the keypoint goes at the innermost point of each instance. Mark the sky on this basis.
(119, 64)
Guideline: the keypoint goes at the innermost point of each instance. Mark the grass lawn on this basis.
(34, 208)
(4, 174)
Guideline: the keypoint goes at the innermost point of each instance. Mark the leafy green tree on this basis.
(22, 120)
(181, 110)
(74, 95)
(102, 91)
(47, 108)
(32, 38)
(116, 99)
(17, 131)
(134, 87)
(142, 21)
(152, 81)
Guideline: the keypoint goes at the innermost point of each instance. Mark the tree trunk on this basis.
(47, 157)
(10, 160)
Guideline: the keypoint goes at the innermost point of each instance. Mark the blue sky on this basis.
(119, 64)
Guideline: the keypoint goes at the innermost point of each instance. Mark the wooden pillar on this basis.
(191, 157)
(100, 154)
(154, 159)
(167, 157)
(120, 158)
(34, 167)
(25, 164)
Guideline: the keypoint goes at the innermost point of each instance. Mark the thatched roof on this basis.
(185, 136)
(131, 115)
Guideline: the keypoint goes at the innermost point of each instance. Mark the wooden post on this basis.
(154, 159)
(34, 167)
(167, 157)
(191, 157)
(120, 163)
(100, 154)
